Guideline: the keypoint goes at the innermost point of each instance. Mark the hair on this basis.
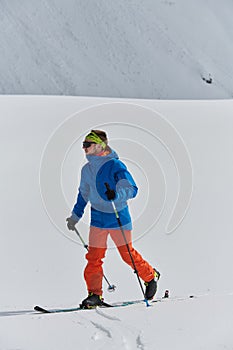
(102, 134)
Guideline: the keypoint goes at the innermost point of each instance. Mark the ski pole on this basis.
(126, 243)
(111, 287)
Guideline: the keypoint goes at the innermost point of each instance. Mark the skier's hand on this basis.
(71, 222)
(111, 194)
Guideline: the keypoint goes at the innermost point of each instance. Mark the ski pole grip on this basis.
(107, 186)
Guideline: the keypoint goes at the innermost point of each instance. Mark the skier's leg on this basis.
(93, 272)
(145, 271)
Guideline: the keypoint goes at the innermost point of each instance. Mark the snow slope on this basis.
(42, 263)
(137, 49)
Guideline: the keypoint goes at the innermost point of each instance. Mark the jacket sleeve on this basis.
(82, 199)
(126, 187)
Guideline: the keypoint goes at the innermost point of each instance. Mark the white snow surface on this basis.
(43, 264)
(159, 49)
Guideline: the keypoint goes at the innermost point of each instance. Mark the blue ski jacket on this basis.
(94, 174)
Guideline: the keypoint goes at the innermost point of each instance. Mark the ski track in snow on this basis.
(106, 328)
(101, 313)
(102, 329)
(140, 343)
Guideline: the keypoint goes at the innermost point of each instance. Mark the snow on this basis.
(41, 262)
(166, 326)
(135, 49)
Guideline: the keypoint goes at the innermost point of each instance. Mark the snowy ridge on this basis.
(131, 49)
(42, 263)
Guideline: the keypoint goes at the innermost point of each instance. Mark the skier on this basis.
(104, 167)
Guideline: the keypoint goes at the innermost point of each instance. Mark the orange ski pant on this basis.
(93, 272)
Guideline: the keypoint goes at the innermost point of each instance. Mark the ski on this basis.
(114, 305)
(151, 302)
(49, 311)
(52, 311)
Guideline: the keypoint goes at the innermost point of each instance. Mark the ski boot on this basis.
(151, 286)
(92, 301)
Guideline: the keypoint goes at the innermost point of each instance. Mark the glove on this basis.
(111, 194)
(71, 222)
